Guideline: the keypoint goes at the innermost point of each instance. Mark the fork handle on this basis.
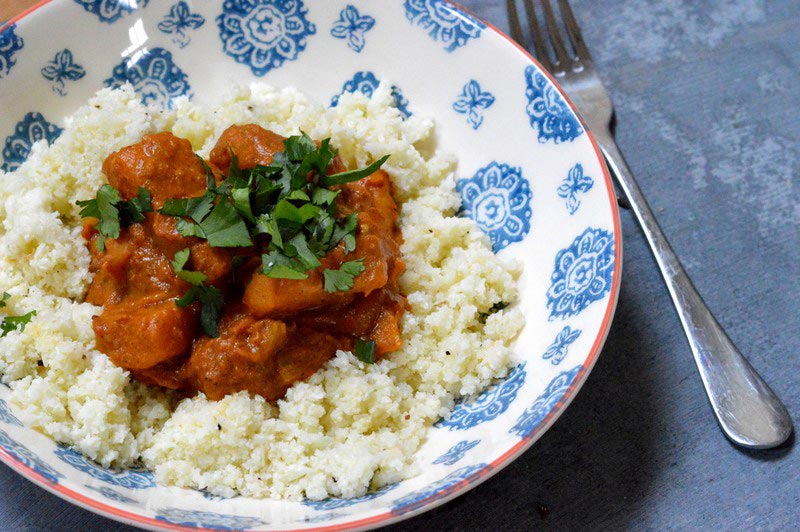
(750, 413)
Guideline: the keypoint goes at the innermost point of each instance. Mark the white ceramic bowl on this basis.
(529, 174)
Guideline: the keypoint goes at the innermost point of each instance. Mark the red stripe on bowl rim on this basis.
(437, 499)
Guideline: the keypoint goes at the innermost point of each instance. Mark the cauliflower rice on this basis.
(351, 427)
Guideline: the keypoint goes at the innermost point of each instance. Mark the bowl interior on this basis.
(528, 174)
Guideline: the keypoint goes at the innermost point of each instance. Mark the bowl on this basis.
(529, 174)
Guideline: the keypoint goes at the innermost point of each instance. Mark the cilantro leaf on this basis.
(193, 278)
(304, 254)
(133, 211)
(342, 279)
(224, 226)
(103, 207)
(194, 208)
(365, 351)
(6, 295)
(12, 323)
(211, 301)
(279, 266)
(346, 231)
(353, 175)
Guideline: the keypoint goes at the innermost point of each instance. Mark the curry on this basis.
(273, 329)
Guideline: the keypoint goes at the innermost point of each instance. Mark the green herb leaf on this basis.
(103, 207)
(365, 351)
(353, 175)
(194, 208)
(224, 226)
(266, 224)
(211, 301)
(187, 228)
(6, 295)
(346, 231)
(133, 211)
(497, 307)
(12, 323)
(279, 266)
(342, 279)
(193, 278)
(304, 255)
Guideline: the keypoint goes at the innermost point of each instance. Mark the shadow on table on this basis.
(600, 453)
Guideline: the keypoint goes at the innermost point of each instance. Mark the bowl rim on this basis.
(488, 471)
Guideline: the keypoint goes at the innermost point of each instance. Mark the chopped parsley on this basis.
(12, 323)
(113, 213)
(342, 279)
(365, 351)
(210, 297)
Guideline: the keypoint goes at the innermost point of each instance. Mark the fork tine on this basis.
(562, 59)
(513, 22)
(574, 31)
(540, 48)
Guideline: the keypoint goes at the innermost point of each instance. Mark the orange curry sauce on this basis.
(273, 332)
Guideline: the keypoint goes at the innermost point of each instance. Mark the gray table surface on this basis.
(708, 103)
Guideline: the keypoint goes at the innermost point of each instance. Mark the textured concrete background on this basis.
(708, 101)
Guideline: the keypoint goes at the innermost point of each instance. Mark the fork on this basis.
(748, 411)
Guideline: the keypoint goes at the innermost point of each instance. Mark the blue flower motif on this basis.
(365, 82)
(437, 490)
(456, 452)
(443, 22)
(548, 111)
(10, 44)
(489, 404)
(334, 503)
(472, 101)
(498, 198)
(61, 69)
(199, 519)
(560, 346)
(113, 495)
(23, 454)
(154, 76)
(352, 26)
(263, 34)
(31, 129)
(109, 11)
(6, 416)
(179, 21)
(530, 419)
(582, 274)
(574, 184)
(133, 479)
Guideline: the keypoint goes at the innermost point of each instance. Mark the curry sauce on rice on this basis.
(263, 297)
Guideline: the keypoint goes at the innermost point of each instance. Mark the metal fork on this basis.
(748, 411)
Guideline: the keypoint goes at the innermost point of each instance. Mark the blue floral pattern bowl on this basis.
(529, 174)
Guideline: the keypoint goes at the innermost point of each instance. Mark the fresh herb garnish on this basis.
(342, 279)
(497, 307)
(353, 175)
(112, 213)
(210, 297)
(12, 323)
(288, 201)
(365, 351)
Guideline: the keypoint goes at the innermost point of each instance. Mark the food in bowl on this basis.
(106, 363)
